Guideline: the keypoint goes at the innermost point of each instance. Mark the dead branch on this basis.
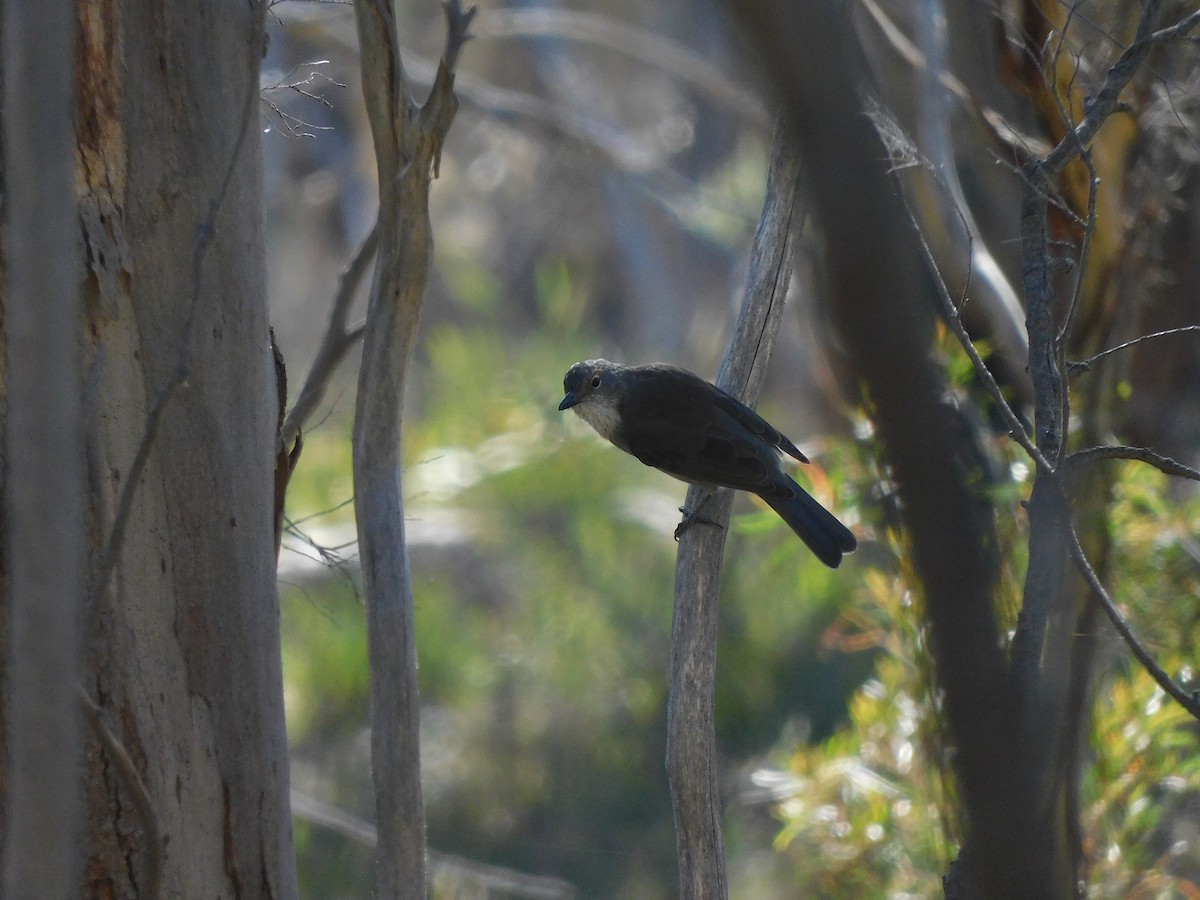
(1164, 464)
(691, 738)
(1188, 700)
(339, 337)
(1077, 368)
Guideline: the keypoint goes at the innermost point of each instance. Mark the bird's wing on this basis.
(744, 415)
(714, 453)
(681, 424)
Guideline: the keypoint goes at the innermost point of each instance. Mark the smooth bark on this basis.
(185, 760)
(44, 473)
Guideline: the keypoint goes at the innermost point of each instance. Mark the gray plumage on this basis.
(680, 424)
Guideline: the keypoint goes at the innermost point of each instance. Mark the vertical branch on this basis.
(44, 481)
(408, 142)
(691, 735)
(1051, 648)
(1044, 588)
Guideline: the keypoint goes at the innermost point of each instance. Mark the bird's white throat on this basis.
(601, 414)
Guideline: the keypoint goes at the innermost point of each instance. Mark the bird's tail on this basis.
(814, 524)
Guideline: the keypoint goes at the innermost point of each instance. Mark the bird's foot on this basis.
(693, 518)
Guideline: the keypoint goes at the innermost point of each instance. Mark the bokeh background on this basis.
(597, 197)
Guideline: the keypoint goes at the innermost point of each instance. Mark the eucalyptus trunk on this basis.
(185, 766)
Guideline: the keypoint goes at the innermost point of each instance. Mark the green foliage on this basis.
(1142, 794)
(862, 811)
(543, 626)
(543, 567)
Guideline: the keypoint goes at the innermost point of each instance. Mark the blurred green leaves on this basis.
(543, 574)
(543, 568)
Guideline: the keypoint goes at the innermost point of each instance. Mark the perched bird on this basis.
(680, 424)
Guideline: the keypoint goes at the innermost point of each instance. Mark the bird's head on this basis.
(590, 381)
(592, 388)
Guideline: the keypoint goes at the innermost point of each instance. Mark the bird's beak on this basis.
(568, 401)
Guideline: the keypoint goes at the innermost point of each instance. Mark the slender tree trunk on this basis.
(185, 759)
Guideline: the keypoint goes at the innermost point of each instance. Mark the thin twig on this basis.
(335, 344)
(1188, 700)
(1178, 30)
(687, 66)
(1164, 464)
(492, 880)
(1085, 247)
(1106, 100)
(293, 124)
(951, 315)
(1076, 368)
(151, 882)
(1059, 46)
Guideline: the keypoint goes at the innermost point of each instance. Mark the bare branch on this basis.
(950, 313)
(1163, 463)
(1188, 700)
(293, 125)
(1107, 99)
(335, 344)
(308, 80)
(1076, 368)
(1045, 592)
(691, 739)
(1039, 305)
(637, 43)
(1180, 29)
(408, 144)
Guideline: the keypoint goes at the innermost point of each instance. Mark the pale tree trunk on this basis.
(43, 464)
(185, 759)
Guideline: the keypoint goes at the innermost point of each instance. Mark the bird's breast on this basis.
(602, 414)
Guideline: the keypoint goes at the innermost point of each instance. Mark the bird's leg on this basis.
(694, 518)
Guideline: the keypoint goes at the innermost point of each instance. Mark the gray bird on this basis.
(680, 424)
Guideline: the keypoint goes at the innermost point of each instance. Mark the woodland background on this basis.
(597, 196)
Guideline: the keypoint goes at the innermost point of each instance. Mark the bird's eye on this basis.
(595, 381)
